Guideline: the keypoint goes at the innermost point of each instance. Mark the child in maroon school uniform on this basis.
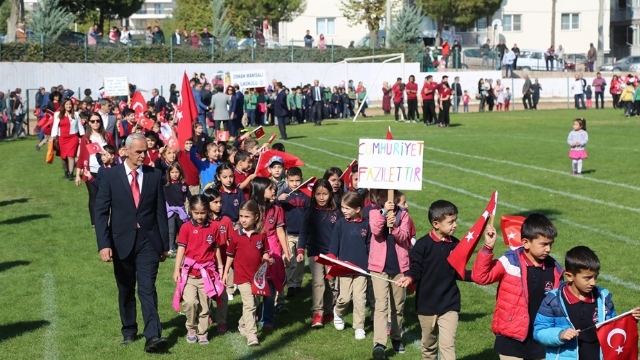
(191, 175)
(242, 179)
(248, 247)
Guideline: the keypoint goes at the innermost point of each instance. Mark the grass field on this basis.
(60, 301)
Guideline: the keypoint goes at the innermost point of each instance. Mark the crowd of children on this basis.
(227, 226)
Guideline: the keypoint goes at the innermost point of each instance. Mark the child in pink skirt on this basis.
(578, 139)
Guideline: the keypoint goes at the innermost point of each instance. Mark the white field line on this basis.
(533, 167)
(50, 314)
(607, 233)
(520, 183)
(489, 289)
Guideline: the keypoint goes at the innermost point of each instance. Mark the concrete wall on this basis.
(148, 76)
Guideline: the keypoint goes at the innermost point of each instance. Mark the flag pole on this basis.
(301, 185)
(356, 269)
(612, 319)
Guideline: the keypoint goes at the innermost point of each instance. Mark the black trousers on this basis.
(399, 106)
(93, 191)
(317, 112)
(141, 266)
(443, 115)
(601, 96)
(413, 108)
(526, 100)
(282, 126)
(429, 111)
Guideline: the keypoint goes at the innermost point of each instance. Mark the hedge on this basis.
(73, 53)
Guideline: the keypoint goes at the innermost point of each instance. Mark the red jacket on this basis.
(511, 315)
(84, 153)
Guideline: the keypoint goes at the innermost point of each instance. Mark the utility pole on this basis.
(387, 25)
(600, 57)
(553, 22)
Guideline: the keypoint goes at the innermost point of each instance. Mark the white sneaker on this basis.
(229, 297)
(360, 334)
(338, 322)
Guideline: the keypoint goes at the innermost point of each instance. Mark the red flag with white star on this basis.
(185, 112)
(389, 136)
(138, 104)
(307, 186)
(511, 225)
(618, 337)
(346, 175)
(460, 256)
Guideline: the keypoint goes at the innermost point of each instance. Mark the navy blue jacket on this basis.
(237, 105)
(295, 208)
(317, 230)
(231, 204)
(350, 241)
(280, 106)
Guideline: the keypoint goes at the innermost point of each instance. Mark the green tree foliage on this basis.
(50, 20)
(192, 14)
(221, 26)
(405, 30)
(107, 9)
(458, 12)
(253, 12)
(5, 11)
(368, 12)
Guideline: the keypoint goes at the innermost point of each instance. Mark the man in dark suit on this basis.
(202, 108)
(236, 111)
(132, 231)
(317, 94)
(159, 103)
(109, 120)
(280, 110)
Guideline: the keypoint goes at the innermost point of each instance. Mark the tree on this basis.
(253, 12)
(5, 12)
(369, 12)
(106, 9)
(458, 12)
(192, 14)
(50, 20)
(406, 27)
(220, 21)
(15, 16)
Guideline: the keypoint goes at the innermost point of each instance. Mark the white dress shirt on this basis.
(130, 178)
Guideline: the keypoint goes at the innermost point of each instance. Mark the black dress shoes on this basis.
(128, 340)
(156, 345)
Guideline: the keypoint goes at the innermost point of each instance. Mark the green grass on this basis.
(60, 302)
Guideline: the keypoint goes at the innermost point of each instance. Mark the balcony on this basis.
(627, 14)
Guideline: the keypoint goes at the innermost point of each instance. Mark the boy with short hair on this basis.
(276, 169)
(241, 178)
(437, 293)
(525, 275)
(565, 322)
(294, 204)
(191, 174)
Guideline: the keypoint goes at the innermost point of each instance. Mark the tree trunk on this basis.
(600, 58)
(439, 33)
(553, 22)
(373, 35)
(16, 16)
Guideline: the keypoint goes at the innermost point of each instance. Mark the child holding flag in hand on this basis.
(560, 325)
(525, 275)
(437, 293)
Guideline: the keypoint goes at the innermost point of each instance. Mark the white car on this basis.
(532, 60)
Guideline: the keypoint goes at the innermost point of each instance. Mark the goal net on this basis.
(370, 82)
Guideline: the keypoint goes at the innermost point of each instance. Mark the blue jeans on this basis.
(507, 68)
(345, 111)
(41, 135)
(251, 114)
(268, 316)
(579, 97)
(17, 126)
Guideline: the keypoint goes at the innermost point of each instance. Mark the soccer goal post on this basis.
(388, 58)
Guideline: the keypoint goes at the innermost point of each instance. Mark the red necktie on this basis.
(135, 188)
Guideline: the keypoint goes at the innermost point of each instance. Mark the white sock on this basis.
(580, 166)
(574, 165)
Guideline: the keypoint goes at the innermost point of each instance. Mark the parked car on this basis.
(531, 60)
(471, 58)
(629, 63)
(269, 44)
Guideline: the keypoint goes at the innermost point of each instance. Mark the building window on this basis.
(158, 8)
(570, 22)
(142, 11)
(512, 22)
(326, 26)
(481, 24)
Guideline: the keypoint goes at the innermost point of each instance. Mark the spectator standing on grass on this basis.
(578, 93)
(398, 102)
(456, 93)
(627, 99)
(482, 95)
(535, 88)
(386, 98)
(499, 91)
(592, 54)
(516, 53)
(616, 90)
(485, 51)
(308, 40)
(412, 98)
(599, 84)
(526, 93)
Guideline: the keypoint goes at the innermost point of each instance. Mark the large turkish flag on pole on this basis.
(185, 112)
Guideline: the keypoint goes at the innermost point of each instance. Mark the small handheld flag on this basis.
(511, 225)
(389, 136)
(346, 175)
(271, 138)
(94, 148)
(145, 122)
(307, 186)
(222, 134)
(618, 337)
(259, 132)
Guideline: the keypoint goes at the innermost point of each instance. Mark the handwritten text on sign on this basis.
(390, 164)
(116, 86)
(249, 79)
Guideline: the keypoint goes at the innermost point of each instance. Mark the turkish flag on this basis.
(271, 138)
(185, 112)
(307, 186)
(146, 123)
(259, 132)
(222, 134)
(46, 120)
(94, 148)
(511, 225)
(172, 142)
(339, 267)
(74, 100)
(262, 168)
(138, 104)
(161, 117)
(96, 107)
(259, 285)
(460, 256)
(618, 337)
(389, 136)
(122, 105)
(346, 175)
